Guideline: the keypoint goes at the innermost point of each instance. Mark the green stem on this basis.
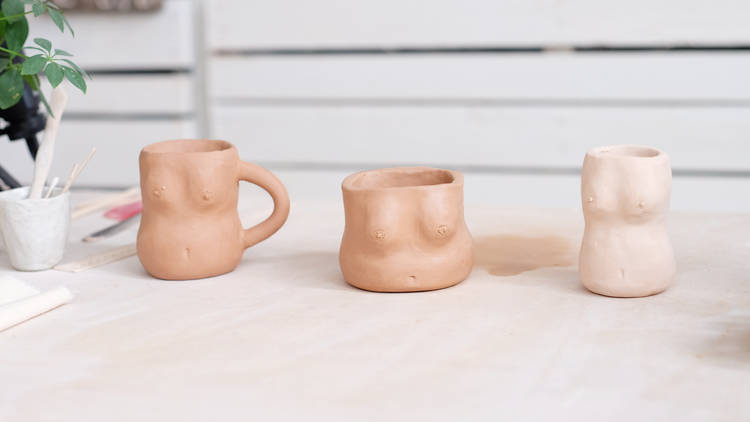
(12, 53)
(5, 18)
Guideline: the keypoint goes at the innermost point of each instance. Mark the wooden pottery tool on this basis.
(96, 260)
(77, 169)
(52, 187)
(47, 150)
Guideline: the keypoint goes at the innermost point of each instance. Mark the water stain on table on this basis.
(506, 255)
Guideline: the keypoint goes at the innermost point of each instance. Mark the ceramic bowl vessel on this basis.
(35, 231)
(405, 230)
(626, 251)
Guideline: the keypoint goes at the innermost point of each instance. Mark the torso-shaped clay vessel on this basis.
(405, 230)
(190, 227)
(626, 251)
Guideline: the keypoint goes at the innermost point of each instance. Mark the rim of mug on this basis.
(155, 148)
(630, 151)
(350, 182)
(21, 195)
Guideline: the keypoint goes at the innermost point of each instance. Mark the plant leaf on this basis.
(78, 69)
(75, 78)
(15, 35)
(3, 27)
(11, 88)
(44, 43)
(4, 62)
(70, 28)
(31, 82)
(59, 52)
(54, 74)
(33, 47)
(57, 18)
(33, 65)
(38, 9)
(12, 8)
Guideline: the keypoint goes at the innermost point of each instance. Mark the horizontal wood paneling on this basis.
(695, 138)
(238, 24)
(153, 40)
(530, 191)
(118, 144)
(631, 76)
(133, 94)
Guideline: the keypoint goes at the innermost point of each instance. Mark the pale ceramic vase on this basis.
(405, 230)
(35, 231)
(626, 251)
(190, 226)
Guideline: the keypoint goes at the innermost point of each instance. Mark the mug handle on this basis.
(257, 175)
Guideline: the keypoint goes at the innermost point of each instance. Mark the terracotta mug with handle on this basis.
(190, 227)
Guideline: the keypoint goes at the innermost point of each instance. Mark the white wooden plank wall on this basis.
(143, 90)
(511, 92)
(291, 24)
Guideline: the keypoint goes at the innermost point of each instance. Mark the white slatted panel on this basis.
(695, 138)
(144, 92)
(161, 39)
(239, 24)
(533, 191)
(141, 94)
(335, 83)
(632, 76)
(118, 144)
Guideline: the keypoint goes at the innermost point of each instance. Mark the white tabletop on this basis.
(284, 337)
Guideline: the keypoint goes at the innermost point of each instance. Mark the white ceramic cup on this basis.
(35, 231)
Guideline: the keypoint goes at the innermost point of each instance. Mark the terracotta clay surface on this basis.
(190, 227)
(626, 251)
(405, 230)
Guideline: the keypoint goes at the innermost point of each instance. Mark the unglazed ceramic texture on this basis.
(190, 226)
(405, 230)
(35, 231)
(626, 251)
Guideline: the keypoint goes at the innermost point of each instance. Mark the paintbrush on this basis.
(47, 150)
(94, 205)
(113, 229)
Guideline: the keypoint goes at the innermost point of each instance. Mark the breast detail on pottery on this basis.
(625, 193)
(190, 224)
(405, 230)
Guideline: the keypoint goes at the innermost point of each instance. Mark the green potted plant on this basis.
(17, 66)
